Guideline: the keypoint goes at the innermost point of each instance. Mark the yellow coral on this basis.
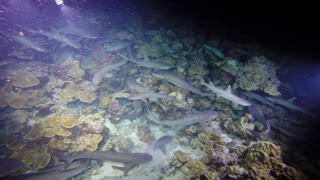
(58, 144)
(16, 100)
(57, 121)
(86, 96)
(72, 68)
(92, 123)
(272, 90)
(264, 157)
(68, 92)
(51, 127)
(182, 156)
(196, 168)
(35, 132)
(16, 143)
(53, 83)
(86, 142)
(37, 158)
(24, 79)
(104, 102)
(75, 73)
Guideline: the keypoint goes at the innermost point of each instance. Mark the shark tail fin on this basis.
(163, 149)
(202, 82)
(125, 169)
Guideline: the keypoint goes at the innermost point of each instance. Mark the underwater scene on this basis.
(94, 90)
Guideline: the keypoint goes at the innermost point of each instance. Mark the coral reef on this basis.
(242, 126)
(182, 156)
(72, 92)
(86, 142)
(68, 133)
(24, 79)
(194, 169)
(259, 73)
(263, 161)
(35, 158)
(256, 74)
(17, 101)
(152, 50)
(120, 143)
(71, 68)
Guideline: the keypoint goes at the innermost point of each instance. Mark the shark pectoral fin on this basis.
(292, 99)
(163, 149)
(234, 104)
(108, 75)
(125, 169)
(229, 89)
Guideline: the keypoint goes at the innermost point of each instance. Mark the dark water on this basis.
(59, 84)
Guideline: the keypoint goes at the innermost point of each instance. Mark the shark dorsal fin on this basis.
(146, 58)
(292, 99)
(229, 89)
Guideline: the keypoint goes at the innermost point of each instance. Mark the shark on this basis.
(54, 175)
(28, 43)
(227, 94)
(135, 113)
(257, 97)
(148, 63)
(149, 95)
(130, 160)
(98, 76)
(72, 29)
(288, 104)
(112, 45)
(66, 41)
(9, 166)
(178, 81)
(260, 117)
(137, 87)
(216, 51)
(189, 119)
(161, 143)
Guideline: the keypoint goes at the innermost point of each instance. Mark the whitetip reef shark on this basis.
(227, 94)
(28, 43)
(130, 160)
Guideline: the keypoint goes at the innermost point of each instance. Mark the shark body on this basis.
(150, 95)
(28, 43)
(289, 105)
(98, 76)
(130, 160)
(178, 81)
(189, 119)
(227, 94)
(161, 143)
(148, 63)
(54, 175)
(66, 41)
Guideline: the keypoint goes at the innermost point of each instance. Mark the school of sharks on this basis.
(148, 102)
